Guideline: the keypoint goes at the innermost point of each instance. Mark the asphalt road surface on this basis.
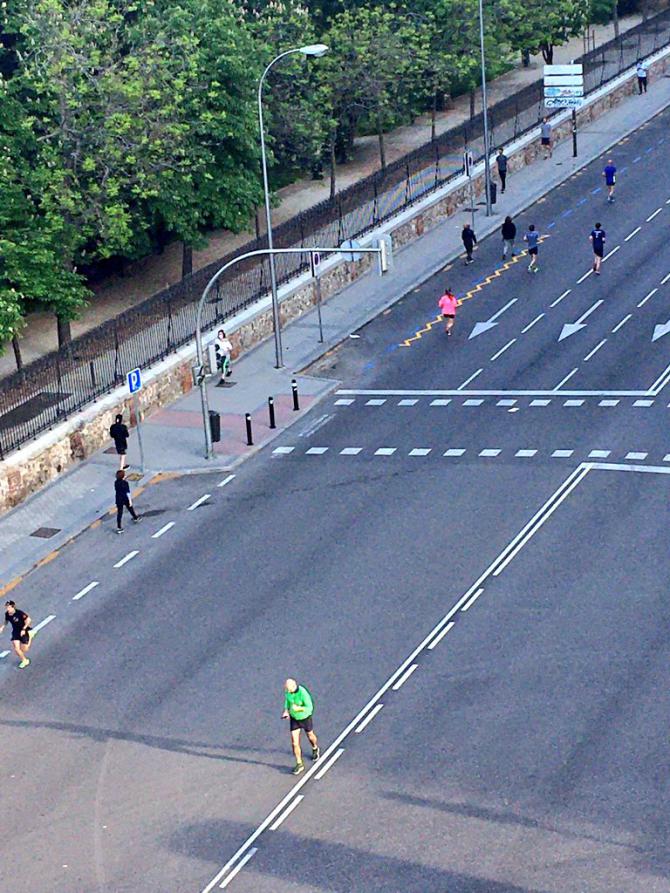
(462, 552)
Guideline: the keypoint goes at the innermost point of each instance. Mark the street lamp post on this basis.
(317, 49)
(485, 112)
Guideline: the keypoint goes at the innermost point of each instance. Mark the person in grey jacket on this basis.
(508, 232)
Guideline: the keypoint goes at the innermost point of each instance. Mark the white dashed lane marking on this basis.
(85, 590)
(385, 451)
(127, 558)
(164, 529)
(316, 451)
(198, 502)
(350, 451)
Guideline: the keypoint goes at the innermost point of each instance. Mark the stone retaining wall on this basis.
(29, 469)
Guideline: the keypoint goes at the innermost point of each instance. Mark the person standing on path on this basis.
(501, 161)
(299, 709)
(641, 71)
(447, 305)
(598, 242)
(22, 633)
(223, 348)
(609, 173)
(545, 138)
(508, 232)
(532, 237)
(119, 434)
(469, 241)
(123, 500)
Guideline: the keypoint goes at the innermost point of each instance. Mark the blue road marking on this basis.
(597, 189)
(649, 149)
(635, 160)
(549, 225)
(371, 364)
(568, 212)
(581, 201)
(622, 169)
(391, 348)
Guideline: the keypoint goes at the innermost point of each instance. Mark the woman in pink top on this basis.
(447, 305)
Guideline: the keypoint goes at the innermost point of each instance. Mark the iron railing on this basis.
(50, 389)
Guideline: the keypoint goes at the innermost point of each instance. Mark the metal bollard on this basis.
(247, 419)
(294, 389)
(271, 410)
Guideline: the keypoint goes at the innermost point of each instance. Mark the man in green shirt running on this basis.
(299, 708)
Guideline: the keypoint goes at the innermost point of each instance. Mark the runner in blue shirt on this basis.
(609, 173)
(532, 237)
(598, 241)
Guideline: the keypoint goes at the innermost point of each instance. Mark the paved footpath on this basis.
(173, 437)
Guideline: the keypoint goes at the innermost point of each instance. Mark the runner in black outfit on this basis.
(122, 492)
(22, 633)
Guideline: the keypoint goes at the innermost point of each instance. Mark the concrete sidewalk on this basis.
(174, 438)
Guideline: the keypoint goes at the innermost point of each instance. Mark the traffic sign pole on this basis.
(314, 262)
(574, 133)
(134, 379)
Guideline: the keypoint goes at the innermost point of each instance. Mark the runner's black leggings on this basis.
(119, 511)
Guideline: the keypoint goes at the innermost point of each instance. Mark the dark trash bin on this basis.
(215, 425)
(493, 191)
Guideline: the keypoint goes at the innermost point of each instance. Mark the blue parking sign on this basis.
(134, 381)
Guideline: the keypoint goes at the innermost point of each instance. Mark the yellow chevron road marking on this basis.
(496, 274)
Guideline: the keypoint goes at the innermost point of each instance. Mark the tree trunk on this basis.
(473, 97)
(17, 352)
(64, 329)
(615, 17)
(380, 136)
(548, 53)
(186, 260)
(333, 137)
(257, 224)
(433, 118)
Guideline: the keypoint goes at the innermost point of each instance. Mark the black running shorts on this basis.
(305, 724)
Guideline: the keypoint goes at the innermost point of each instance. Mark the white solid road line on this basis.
(226, 480)
(595, 349)
(405, 676)
(531, 324)
(503, 393)
(646, 297)
(127, 558)
(164, 529)
(319, 775)
(232, 865)
(665, 278)
(474, 598)
(43, 623)
(238, 867)
(558, 300)
(198, 502)
(567, 378)
(287, 812)
(651, 216)
(468, 380)
(502, 350)
(582, 470)
(659, 384)
(622, 323)
(85, 590)
(368, 719)
(634, 233)
(436, 641)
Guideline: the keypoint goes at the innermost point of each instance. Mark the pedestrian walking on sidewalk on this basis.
(598, 242)
(501, 161)
(532, 237)
(447, 305)
(469, 241)
(609, 173)
(508, 232)
(123, 500)
(223, 348)
(119, 434)
(299, 709)
(22, 632)
(545, 139)
(641, 71)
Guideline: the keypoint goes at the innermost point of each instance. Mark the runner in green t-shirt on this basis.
(299, 708)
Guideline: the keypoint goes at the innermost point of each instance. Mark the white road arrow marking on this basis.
(571, 327)
(490, 323)
(661, 330)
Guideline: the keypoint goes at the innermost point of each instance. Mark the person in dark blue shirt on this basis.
(609, 173)
(598, 241)
(532, 238)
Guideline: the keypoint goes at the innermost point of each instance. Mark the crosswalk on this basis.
(423, 452)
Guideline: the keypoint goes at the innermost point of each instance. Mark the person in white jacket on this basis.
(223, 348)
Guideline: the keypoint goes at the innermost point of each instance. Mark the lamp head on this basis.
(316, 49)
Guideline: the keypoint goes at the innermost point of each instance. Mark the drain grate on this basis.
(46, 533)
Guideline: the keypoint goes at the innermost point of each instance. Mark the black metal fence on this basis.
(61, 383)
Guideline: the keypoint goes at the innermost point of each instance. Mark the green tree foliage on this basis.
(551, 23)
